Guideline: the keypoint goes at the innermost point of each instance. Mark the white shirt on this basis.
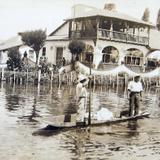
(135, 86)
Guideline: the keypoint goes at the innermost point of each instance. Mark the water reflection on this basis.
(132, 126)
(25, 109)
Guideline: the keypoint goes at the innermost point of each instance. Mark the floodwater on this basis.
(24, 109)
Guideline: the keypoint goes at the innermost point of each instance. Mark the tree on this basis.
(146, 15)
(14, 61)
(34, 39)
(76, 47)
(158, 20)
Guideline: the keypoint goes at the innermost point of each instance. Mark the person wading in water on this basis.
(135, 95)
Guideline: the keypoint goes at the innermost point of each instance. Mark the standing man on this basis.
(81, 94)
(135, 95)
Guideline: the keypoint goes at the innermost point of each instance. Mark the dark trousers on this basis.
(134, 103)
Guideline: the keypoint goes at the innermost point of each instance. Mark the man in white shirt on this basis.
(135, 94)
(81, 94)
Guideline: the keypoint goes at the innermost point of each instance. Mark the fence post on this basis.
(2, 74)
(39, 75)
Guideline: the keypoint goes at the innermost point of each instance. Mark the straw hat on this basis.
(82, 78)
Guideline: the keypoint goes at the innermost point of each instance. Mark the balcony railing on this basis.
(82, 34)
(123, 37)
(110, 35)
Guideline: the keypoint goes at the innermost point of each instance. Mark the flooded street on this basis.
(23, 110)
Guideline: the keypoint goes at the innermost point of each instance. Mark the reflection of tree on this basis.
(79, 140)
(71, 107)
(12, 102)
(34, 110)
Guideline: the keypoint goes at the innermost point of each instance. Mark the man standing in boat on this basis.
(81, 94)
(135, 95)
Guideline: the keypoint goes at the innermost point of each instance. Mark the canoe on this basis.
(72, 125)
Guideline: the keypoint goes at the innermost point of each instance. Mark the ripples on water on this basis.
(26, 109)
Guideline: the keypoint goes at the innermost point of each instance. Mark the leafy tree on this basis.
(14, 61)
(35, 39)
(158, 20)
(146, 15)
(76, 47)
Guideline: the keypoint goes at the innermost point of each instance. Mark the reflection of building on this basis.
(110, 37)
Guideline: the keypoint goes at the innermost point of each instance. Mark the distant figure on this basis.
(135, 94)
(63, 61)
(81, 94)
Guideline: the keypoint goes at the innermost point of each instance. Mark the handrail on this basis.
(121, 36)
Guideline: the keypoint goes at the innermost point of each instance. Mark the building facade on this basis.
(111, 38)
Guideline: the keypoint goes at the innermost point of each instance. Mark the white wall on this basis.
(51, 47)
(27, 49)
(63, 31)
(3, 57)
(154, 39)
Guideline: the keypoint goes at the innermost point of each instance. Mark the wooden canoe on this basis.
(72, 125)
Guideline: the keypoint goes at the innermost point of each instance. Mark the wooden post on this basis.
(27, 75)
(39, 75)
(110, 80)
(94, 81)
(71, 77)
(2, 74)
(89, 111)
(117, 80)
(14, 76)
(51, 76)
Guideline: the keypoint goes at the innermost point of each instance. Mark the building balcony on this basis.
(110, 35)
(122, 37)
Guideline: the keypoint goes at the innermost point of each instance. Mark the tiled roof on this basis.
(12, 42)
(110, 14)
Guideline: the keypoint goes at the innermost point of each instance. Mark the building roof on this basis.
(57, 37)
(51, 34)
(10, 43)
(110, 14)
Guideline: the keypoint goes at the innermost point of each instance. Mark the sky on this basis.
(23, 15)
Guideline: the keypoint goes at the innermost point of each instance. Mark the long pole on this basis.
(89, 112)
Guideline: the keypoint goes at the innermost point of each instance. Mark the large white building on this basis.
(111, 38)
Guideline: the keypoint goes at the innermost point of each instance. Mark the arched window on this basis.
(110, 55)
(134, 57)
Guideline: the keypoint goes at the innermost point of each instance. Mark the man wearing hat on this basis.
(81, 94)
(135, 94)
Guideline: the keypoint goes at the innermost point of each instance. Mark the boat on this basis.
(50, 128)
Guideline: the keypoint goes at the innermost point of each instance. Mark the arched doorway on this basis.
(110, 55)
(153, 59)
(134, 57)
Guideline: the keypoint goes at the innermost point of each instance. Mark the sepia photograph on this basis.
(80, 80)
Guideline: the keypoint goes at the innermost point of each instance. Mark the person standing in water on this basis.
(135, 95)
(81, 94)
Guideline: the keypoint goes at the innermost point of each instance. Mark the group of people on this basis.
(135, 89)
